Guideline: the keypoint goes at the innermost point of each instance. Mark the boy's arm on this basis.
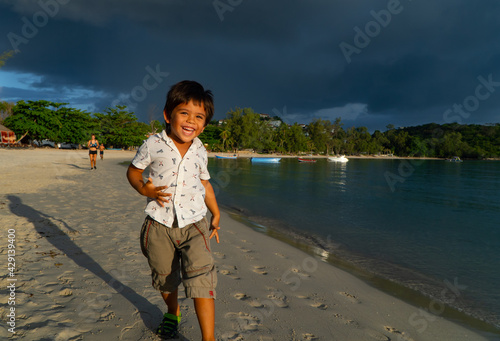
(211, 203)
(134, 176)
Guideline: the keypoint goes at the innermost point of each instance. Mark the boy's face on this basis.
(187, 121)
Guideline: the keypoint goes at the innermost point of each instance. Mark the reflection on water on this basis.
(339, 174)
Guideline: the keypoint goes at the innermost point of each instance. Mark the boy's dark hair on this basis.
(185, 91)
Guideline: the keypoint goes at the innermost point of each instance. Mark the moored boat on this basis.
(306, 160)
(266, 159)
(340, 158)
(225, 157)
(454, 159)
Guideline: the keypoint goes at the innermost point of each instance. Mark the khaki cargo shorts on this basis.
(175, 251)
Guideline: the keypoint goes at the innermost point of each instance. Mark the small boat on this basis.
(341, 158)
(454, 159)
(306, 160)
(225, 157)
(266, 159)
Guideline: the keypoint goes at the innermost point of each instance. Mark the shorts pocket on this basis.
(146, 226)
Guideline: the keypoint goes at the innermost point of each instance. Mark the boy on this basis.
(175, 234)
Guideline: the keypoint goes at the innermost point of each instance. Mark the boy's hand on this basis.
(214, 227)
(156, 193)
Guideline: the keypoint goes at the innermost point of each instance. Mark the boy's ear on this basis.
(167, 119)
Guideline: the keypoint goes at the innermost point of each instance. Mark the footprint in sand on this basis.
(241, 296)
(65, 292)
(66, 277)
(278, 297)
(309, 336)
(300, 273)
(345, 320)
(259, 270)
(107, 316)
(243, 321)
(401, 335)
(315, 303)
(280, 255)
(219, 255)
(319, 305)
(232, 337)
(350, 297)
(244, 250)
(251, 302)
(229, 271)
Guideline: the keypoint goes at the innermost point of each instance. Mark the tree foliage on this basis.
(44, 120)
(120, 128)
(38, 118)
(245, 129)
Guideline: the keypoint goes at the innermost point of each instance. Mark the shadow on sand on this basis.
(150, 314)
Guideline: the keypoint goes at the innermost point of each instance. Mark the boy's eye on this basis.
(200, 117)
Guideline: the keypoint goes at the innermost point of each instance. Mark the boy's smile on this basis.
(187, 121)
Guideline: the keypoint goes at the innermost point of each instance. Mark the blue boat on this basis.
(225, 157)
(266, 159)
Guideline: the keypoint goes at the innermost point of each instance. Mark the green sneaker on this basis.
(168, 327)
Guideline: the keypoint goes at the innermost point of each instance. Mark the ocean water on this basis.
(431, 226)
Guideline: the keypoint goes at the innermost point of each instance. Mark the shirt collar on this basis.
(196, 142)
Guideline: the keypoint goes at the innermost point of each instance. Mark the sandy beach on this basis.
(79, 272)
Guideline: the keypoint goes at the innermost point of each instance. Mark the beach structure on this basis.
(8, 136)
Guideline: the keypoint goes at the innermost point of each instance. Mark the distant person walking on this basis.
(101, 151)
(93, 144)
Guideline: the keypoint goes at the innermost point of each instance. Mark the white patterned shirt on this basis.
(182, 176)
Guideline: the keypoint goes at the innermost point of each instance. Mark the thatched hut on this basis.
(8, 136)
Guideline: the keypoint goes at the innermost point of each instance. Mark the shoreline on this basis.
(84, 275)
(248, 154)
(367, 270)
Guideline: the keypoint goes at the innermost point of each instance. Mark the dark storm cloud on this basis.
(417, 63)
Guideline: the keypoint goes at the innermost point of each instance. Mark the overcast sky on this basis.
(372, 63)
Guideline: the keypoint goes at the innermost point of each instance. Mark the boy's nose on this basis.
(190, 118)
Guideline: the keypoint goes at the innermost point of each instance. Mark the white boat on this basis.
(340, 158)
(266, 159)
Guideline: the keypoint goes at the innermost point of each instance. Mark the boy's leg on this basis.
(172, 302)
(205, 310)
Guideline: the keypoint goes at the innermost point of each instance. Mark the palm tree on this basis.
(225, 135)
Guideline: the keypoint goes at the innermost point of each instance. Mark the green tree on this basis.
(4, 56)
(320, 134)
(36, 119)
(211, 135)
(76, 125)
(297, 140)
(119, 127)
(5, 110)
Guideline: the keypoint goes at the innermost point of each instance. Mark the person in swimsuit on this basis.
(93, 144)
(101, 150)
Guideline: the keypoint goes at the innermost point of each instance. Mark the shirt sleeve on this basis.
(204, 174)
(142, 158)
